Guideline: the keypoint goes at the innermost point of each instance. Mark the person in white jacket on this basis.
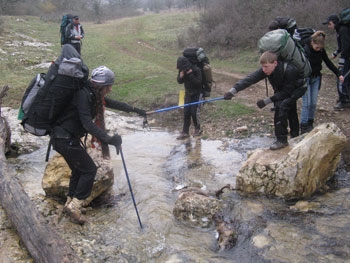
(75, 33)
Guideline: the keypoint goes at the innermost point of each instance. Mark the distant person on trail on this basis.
(74, 33)
(288, 84)
(343, 39)
(190, 75)
(85, 114)
(316, 53)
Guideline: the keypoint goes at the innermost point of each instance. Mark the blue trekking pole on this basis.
(185, 105)
(127, 177)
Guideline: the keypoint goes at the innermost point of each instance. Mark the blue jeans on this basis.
(309, 99)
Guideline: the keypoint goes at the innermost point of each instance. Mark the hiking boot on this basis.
(69, 199)
(73, 209)
(304, 128)
(197, 132)
(310, 126)
(183, 136)
(341, 105)
(278, 145)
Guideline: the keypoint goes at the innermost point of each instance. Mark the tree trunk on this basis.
(42, 242)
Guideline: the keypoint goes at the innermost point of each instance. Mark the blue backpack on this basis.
(66, 20)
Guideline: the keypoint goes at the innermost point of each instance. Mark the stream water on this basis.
(269, 229)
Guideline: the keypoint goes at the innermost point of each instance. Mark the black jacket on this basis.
(288, 83)
(192, 81)
(343, 39)
(316, 58)
(79, 116)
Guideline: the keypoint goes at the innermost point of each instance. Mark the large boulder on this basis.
(297, 171)
(56, 177)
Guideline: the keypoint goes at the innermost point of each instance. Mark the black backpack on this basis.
(303, 35)
(48, 95)
(199, 58)
(287, 23)
(66, 20)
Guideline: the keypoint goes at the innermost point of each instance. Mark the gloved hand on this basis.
(341, 65)
(285, 106)
(229, 95)
(140, 112)
(262, 103)
(116, 140)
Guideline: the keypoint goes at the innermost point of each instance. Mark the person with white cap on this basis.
(83, 116)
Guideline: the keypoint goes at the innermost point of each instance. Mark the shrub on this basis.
(230, 24)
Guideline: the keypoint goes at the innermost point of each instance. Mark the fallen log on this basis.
(42, 242)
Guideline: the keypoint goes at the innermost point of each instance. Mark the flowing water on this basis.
(269, 229)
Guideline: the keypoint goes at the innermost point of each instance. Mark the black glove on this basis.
(140, 112)
(229, 95)
(116, 140)
(285, 106)
(262, 103)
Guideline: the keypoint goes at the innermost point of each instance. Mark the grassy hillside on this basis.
(142, 51)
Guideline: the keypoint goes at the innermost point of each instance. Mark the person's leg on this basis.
(314, 88)
(304, 116)
(195, 114)
(187, 119)
(293, 120)
(82, 166)
(344, 88)
(281, 132)
(82, 178)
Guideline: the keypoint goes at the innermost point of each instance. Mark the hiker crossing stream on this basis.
(159, 166)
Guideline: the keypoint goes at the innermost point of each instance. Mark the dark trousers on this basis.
(191, 112)
(77, 46)
(284, 113)
(79, 161)
(344, 88)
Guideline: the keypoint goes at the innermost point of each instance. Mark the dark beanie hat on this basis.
(183, 63)
(333, 18)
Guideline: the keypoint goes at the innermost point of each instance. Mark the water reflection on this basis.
(158, 165)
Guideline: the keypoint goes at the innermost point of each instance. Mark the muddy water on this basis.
(270, 230)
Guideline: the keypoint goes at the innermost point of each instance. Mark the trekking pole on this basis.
(347, 74)
(127, 177)
(185, 105)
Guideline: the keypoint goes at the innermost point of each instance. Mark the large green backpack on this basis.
(66, 20)
(344, 16)
(279, 42)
